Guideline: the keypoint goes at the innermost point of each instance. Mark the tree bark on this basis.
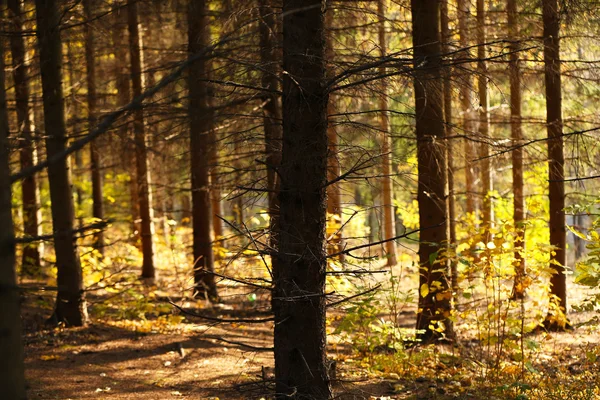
(389, 230)
(434, 293)
(12, 376)
(31, 262)
(468, 117)
(141, 152)
(96, 168)
(447, 82)
(517, 153)
(70, 301)
(484, 123)
(270, 58)
(556, 161)
(298, 296)
(200, 127)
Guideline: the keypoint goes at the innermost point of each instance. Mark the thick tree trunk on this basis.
(12, 377)
(517, 153)
(96, 168)
(31, 262)
(387, 197)
(270, 58)
(556, 161)
(484, 122)
(141, 152)
(468, 115)
(70, 301)
(447, 81)
(298, 296)
(434, 293)
(200, 127)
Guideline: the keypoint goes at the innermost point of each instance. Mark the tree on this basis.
(269, 55)
(96, 168)
(484, 121)
(70, 301)
(468, 117)
(433, 318)
(517, 153)
(12, 378)
(27, 151)
(386, 149)
(200, 127)
(556, 159)
(141, 152)
(299, 282)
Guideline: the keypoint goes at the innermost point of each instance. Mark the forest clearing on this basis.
(299, 199)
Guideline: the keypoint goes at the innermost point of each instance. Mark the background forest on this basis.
(306, 199)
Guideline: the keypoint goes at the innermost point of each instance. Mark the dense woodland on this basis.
(305, 199)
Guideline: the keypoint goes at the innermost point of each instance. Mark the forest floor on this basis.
(144, 348)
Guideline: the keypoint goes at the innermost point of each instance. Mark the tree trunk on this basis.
(334, 200)
(298, 296)
(70, 301)
(434, 293)
(468, 117)
(200, 127)
(556, 161)
(447, 81)
(12, 377)
(517, 153)
(484, 123)
(270, 58)
(31, 262)
(97, 206)
(141, 152)
(389, 230)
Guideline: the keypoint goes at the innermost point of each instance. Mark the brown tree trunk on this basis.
(466, 101)
(12, 377)
(446, 38)
(484, 122)
(123, 81)
(334, 199)
(31, 262)
(389, 228)
(556, 161)
(215, 189)
(298, 297)
(434, 293)
(141, 152)
(96, 168)
(200, 127)
(70, 301)
(270, 57)
(517, 153)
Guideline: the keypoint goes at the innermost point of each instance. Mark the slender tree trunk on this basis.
(12, 377)
(123, 82)
(70, 301)
(387, 198)
(298, 296)
(484, 122)
(334, 198)
(517, 153)
(200, 127)
(31, 262)
(556, 161)
(270, 57)
(434, 293)
(446, 38)
(141, 152)
(466, 101)
(96, 168)
(215, 189)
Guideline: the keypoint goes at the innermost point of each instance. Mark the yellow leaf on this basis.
(424, 290)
